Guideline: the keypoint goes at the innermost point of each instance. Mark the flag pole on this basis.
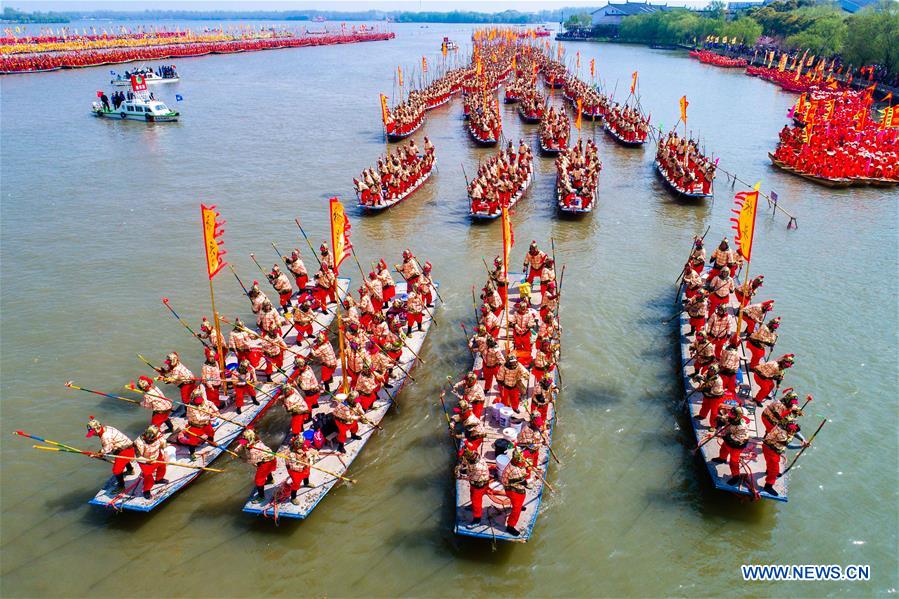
(218, 334)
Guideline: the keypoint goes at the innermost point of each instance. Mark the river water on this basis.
(100, 220)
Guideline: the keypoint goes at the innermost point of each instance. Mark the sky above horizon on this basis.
(339, 5)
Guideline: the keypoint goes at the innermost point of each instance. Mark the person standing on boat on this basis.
(150, 446)
(720, 289)
(273, 348)
(513, 379)
(782, 411)
(735, 438)
(712, 389)
(774, 445)
(323, 352)
(426, 285)
(208, 332)
(257, 297)
(211, 376)
(409, 268)
(729, 363)
(366, 387)
(761, 340)
(491, 362)
(282, 285)
(175, 373)
(719, 258)
(720, 327)
(200, 414)
(478, 474)
(747, 290)
(692, 282)
(549, 299)
(238, 340)
(300, 458)
(515, 482)
(156, 401)
(530, 439)
(302, 321)
(296, 266)
(767, 374)
(544, 394)
(244, 385)
(296, 406)
(415, 307)
(702, 352)
(499, 279)
(113, 442)
(697, 258)
(522, 321)
(754, 315)
(490, 322)
(259, 455)
(346, 417)
(534, 261)
(387, 284)
(472, 393)
(308, 383)
(268, 320)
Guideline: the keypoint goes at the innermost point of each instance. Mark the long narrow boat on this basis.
(530, 117)
(482, 138)
(753, 461)
(394, 201)
(579, 205)
(277, 503)
(493, 522)
(486, 215)
(614, 133)
(398, 136)
(825, 181)
(684, 193)
(225, 434)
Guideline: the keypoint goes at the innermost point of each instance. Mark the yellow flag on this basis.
(744, 224)
(340, 233)
(683, 109)
(211, 233)
(592, 67)
(399, 73)
(424, 64)
(384, 111)
(508, 239)
(577, 121)
(634, 82)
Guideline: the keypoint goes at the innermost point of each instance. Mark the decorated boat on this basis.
(577, 179)
(485, 204)
(150, 77)
(325, 471)
(554, 131)
(140, 107)
(227, 429)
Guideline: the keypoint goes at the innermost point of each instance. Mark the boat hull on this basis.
(677, 190)
(368, 208)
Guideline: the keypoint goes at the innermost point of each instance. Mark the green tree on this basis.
(825, 36)
(745, 29)
(872, 36)
(578, 22)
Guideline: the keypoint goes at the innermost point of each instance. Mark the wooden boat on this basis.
(400, 136)
(550, 150)
(277, 502)
(225, 433)
(393, 202)
(510, 97)
(624, 142)
(825, 181)
(481, 215)
(481, 138)
(493, 524)
(582, 204)
(531, 118)
(433, 103)
(746, 389)
(693, 195)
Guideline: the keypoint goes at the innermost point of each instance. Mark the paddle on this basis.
(806, 446)
(101, 456)
(165, 301)
(309, 243)
(242, 286)
(421, 268)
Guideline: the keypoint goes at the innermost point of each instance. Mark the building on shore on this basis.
(613, 13)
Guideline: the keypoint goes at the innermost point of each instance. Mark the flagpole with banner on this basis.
(744, 225)
(212, 230)
(340, 246)
(508, 242)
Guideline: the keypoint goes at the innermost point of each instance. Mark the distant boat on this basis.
(319, 19)
(139, 108)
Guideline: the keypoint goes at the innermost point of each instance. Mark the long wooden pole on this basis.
(220, 357)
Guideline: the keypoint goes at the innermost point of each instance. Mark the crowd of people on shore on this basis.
(501, 180)
(577, 175)
(555, 129)
(77, 58)
(684, 166)
(395, 174)
(840, 137)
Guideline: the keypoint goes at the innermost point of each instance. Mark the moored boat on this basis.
(577, 179)
(555, 128)
(139, 107)
(399, 175)
(501, 181)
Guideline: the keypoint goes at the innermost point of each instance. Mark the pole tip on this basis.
(21, 433)
(68, 383)
(165, 300)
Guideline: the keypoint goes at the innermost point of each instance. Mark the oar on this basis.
(312, 249)
(135, 459)
(421, 268)
(709, 438)
(210, 442)
(42, 440)
(678, 282)
(474, 304)
(242, 286)
(449, 423)
(72, 385)
(262, 270)
(147, 362)
(352, 481)
(282, 257)
(174, 401)
(801, 451)
(467, 338)
(258, 336)
(165, 301)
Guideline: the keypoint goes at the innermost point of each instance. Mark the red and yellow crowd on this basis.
(627, 123)
(555, 129)
(684, 166)
(500, 179)
(577, 175)
(395, 175)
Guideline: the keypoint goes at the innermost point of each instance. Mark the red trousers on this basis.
(123, 458)
(302, 331)
(730, 382)
(242, 354)
(241, 391)
(517, 500)
(503, 291)
(311, 399)
(477, 500)
(532, 274)
(151, 473)
(367, 399)
(522, 342)
(273, 362)
(510, 397)
(710, 407)
(719, 345)
(697, 323)
(263, 470)
(766, 386)
(532, 455)
(193, 434)
(186, 389)
(159, 418)
(328, 372)
(284, 298)
(474, 444)
(389, 293)
(428, 297)
(489, 374)
(297, 477)
(343, 428)
(732, 455)
(414, 319)
(772, 464)
(715, 300)
(542, 410)
(301, 281)
(255, 357)
(750, 325)
(757, 351)
(320, 294)
(477, 409)
(297, 421)
(538, 373)
(690, 293)
(768, 424)
(213, 395)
